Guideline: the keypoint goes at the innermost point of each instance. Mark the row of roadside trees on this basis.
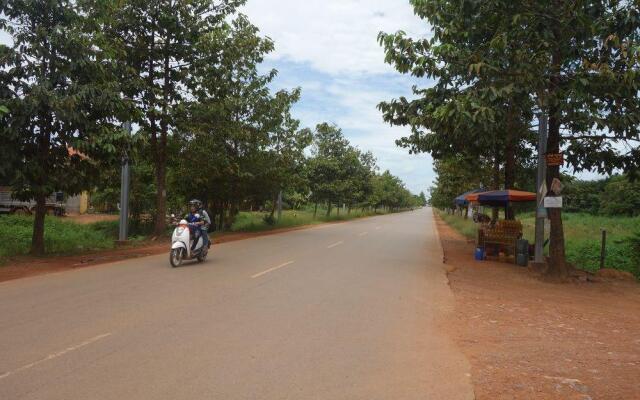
(495, 64)
(185, 74)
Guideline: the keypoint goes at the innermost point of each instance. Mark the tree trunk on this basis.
(44, 143)
(228, 220)
(495, 212)
(328, 209)
(274, 206)
(158, 144)
(234, 210)
(510, 158)
(315, 210)
(37, 240)
(161, 197)
(557, 264)
(221, 216)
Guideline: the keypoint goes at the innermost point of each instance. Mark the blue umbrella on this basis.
(461, 201)
(503, 198)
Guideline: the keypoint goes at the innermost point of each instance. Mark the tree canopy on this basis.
(495, 63)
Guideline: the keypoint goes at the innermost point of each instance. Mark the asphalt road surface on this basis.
(338, 311)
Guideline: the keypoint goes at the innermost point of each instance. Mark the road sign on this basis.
(553, 202)
(554, 159)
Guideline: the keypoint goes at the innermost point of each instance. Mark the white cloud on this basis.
(330, 49)
(333, 36)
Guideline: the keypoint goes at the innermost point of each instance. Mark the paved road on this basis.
(341, 311)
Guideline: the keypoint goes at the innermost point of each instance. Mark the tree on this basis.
(455, 175)
(620, 197)
(577, 62)
(333, 166)
(422, 199)
(163, 47)
(62, 101)
(253, 145)
(285, 152)
(461, 114)
(361, 168)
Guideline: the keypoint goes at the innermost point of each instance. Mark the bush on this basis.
(60, 236)
(585, 254)
(620, 197)
(583, 196)
(269, 219)
(634, 243)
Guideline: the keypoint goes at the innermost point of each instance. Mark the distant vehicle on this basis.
(182, 244)
(55, 204)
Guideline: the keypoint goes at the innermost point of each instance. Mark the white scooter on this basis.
(181, 243)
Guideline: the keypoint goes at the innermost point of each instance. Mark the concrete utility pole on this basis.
(124, 193)
(542, 176)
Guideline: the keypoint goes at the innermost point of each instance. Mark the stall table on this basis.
(502, 237)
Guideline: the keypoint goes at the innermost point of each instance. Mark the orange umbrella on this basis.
(473, 196)
(501, 197)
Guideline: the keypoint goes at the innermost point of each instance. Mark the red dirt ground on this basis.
(528, 339)
(25, 266)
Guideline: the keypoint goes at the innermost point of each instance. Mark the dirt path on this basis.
(527, 339)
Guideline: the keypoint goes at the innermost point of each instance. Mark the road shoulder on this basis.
(528, 339)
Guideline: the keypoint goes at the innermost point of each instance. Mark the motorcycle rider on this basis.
(198, 216)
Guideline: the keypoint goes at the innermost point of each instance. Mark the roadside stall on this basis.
(501, 236)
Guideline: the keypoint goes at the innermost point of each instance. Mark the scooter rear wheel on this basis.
(176, 256)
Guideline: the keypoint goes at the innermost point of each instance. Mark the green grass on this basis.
(464, 226)
(61, 236)
(254, 221)
(582, 238)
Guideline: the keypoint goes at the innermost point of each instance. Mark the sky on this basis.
(329, 48)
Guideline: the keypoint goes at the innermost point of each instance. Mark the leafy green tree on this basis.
(456, 175)
(164, 46)
(253, 146)
(62, 101)
(361, 170)
(422, 199)
(582, 196)
(481, 118)
(324, 170)
(285, 152)
(577, 61)
(620, 197)
(338, 173)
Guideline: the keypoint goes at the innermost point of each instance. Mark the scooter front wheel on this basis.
(176, 256)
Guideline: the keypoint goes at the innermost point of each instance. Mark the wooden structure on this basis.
(500, 237)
